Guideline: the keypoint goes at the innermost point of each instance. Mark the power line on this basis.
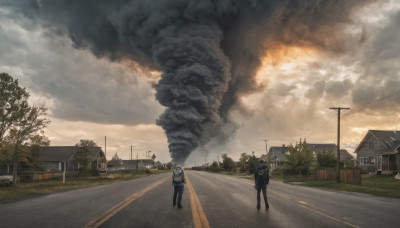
(60, 134)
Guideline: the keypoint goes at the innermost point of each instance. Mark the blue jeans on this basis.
(264, 191)
(178, 190)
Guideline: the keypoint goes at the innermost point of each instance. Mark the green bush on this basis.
(299, 159)
(326, 159)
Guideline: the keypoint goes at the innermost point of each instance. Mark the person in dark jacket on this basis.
(261, 178)
(178, 181)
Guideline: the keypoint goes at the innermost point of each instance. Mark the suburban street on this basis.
(209, 200)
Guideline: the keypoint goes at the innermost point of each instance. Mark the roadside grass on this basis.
(26, 190)
(380, 185)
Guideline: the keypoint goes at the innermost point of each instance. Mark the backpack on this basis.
(261, 173)
(177, 176)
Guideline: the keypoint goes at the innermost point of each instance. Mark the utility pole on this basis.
(266, 146)
(338, 142)
(65, 170)
(137, 161)
(131, 152)
(105, 147)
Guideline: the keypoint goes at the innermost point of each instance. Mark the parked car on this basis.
(6, 179)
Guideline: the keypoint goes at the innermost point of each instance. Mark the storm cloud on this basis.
(207, 51)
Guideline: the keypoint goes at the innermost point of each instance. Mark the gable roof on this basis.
(57, 153)
(65, 153)
(277, 153)
(390, 139)
(94, 152)
(345, 155)
(115, 163)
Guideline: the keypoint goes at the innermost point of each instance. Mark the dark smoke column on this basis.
(195, 78)
(208, 51)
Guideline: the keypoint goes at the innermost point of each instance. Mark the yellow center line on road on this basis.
(111, 212)
(301, 203)
(199, 218)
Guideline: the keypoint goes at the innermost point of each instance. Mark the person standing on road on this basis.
(178, 181)
(261, 178)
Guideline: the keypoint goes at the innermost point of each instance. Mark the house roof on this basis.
(277, 154)
(390, 139)
(65, 153)
(140, 161)
(115, 163)
(319, 147)
(345, 155)
(93, 152)
(57, 153)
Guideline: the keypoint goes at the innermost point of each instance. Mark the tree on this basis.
(159, 165)
(326, 159)
(169, 165)
(299, 159)
(248, 163)
(227, 162)
(348, 164)
(13, 103)
(82, 155)
(244, 158)
(214, 164)
(27, 131)
(252, 163)
(153, 157)
(21, 125)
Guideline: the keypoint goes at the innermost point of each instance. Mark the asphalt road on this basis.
(209, 200)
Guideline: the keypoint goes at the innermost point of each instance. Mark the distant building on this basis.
(130, 165)
(318, 148)
(379, 150)
(276, 156)
(52, 159)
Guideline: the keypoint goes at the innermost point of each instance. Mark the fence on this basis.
(29, 177)
(350, 176)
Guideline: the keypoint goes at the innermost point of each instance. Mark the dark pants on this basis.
(178, 190)
(264, 191)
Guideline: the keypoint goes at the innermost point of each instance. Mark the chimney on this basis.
(283, 145)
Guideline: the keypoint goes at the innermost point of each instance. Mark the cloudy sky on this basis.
(354, 62)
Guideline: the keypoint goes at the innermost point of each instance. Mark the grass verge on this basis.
(26, 190)
(380, 185)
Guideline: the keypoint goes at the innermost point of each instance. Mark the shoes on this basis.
(174, 203)
(258, 207)
(179, 206)
(267, 207)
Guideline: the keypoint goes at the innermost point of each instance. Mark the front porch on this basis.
(389, 163)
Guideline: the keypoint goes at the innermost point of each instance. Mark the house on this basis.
(52, 159)
(277, 155)
(346, 156)
(379, 151)
(318, 148)
(130, 165)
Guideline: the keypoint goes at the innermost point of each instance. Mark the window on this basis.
(363, 160)
(376, 144)
(372, 160)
